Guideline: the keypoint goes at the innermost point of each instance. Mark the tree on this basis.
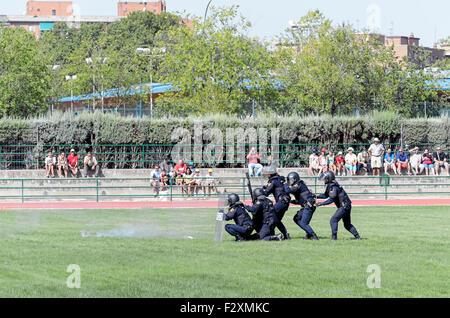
(24, 74)
(215, 67)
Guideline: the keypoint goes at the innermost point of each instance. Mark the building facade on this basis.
(41, 15)
(126, 7)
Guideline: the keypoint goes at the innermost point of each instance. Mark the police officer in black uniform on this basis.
(243, 228)
(275, 186)
(263, 209)
(306, 199)
(335, 193)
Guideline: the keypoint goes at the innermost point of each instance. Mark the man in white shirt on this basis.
(376, 152)
(415, 160)
(50, 162)
(90, 165)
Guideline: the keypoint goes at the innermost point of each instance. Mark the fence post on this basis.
(243, 188)
(282, 152)
(22, 191)
(97, 188)
(385, 189)
(143, 156)
(315, 185)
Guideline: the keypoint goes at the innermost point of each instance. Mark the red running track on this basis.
(192, 204)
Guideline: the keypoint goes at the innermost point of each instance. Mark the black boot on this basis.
(334, 237)
(357, 237)
(314, 237)
(239, 238)
(307, 236)
(277, 237)
(286, 237)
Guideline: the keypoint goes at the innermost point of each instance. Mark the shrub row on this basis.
(296, 133)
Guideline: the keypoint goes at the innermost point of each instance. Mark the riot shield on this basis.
(220, 222)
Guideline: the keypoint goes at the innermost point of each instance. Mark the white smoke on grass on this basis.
(145, 225)
(20, 222)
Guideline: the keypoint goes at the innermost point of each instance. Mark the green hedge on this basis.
(108, 129)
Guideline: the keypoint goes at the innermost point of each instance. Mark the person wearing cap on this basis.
(440, 160)
(389, 161)
(210, 182)
(323, 163)
(197, 182)
(340, 167)
(72, 160)
(314, 166)
(350, 161)
(402, 162)
(376, 152)
(415, 160)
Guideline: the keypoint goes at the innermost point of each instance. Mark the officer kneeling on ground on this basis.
(275, 186)
(335, 193)
(263, 208)
(306, 199)
(244, 225)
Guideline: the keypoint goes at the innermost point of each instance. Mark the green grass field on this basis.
(151, 256)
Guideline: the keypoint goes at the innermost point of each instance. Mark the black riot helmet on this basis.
(293, 178)
(327, 176)
(232, 199)
(258, 192)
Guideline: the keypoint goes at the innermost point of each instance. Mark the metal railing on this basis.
(128, 156)
(104, 189)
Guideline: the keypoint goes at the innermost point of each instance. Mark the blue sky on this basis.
(428, 20)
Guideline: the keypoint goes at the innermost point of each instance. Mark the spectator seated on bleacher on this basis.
(350, 162)
(389, 161)
(415, 160)
(156, 175)
(440, 161)
(50, 162)
(427, 163)
(62, 165)
(340, 166)
(254, 163)
(72, 160)
(402, 162)
(210, 182)
(91, 166)
(314, 167)
(363, 161)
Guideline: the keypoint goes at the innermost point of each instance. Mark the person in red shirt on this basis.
(253, 162)
(340, 167)
(180, 167)
(72, 159)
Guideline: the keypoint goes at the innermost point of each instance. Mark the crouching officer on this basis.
(335, 193)
(244, 225)
(305, 199)
(275, 186)
(263, 208)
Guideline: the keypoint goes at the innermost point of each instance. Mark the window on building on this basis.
(53, 12)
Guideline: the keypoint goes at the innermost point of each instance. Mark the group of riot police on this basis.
(266, 216)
